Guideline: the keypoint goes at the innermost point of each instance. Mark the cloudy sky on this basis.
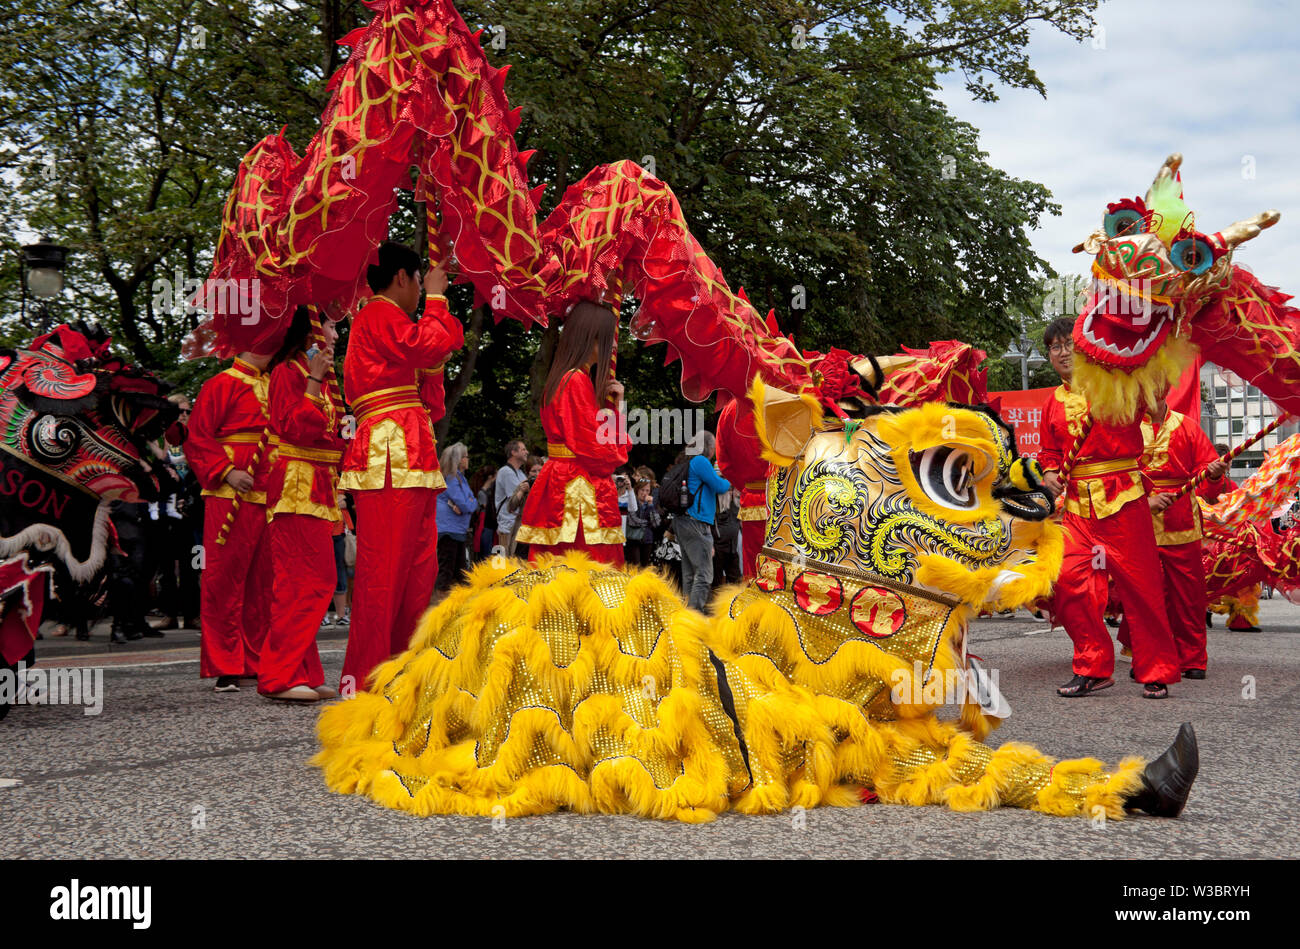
(1215, 80)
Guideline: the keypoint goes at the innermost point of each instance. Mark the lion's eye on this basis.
(947, 476)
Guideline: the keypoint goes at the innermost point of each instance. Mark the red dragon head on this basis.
(73, 425)
(1155, 277)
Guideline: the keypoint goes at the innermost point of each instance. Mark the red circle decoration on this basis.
(771, 575)
(818, 593)
(877, 612)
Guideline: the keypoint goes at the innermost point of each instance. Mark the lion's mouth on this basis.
(1121, 330)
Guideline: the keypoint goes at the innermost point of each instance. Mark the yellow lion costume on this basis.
(574, 685)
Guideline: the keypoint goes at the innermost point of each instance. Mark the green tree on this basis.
(805, 140)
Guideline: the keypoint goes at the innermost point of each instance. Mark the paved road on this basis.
(170, 769)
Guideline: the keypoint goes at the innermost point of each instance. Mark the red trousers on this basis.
(397, 566)
(752, 534)
(1184, 604)
(235, 591)
(1122, 546)
(611, 554)
(302, 556)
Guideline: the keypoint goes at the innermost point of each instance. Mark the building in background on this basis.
(1232, 411)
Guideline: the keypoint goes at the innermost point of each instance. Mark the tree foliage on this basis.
(805, 141)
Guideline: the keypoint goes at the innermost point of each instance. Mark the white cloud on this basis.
(1212, 80)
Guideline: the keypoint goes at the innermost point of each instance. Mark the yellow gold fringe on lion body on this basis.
(581, 687)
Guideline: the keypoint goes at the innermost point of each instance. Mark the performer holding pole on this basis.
(1177, 454)
(302, 504)
(391, 464)
(574, 504)
(1108, 530)
(227, 428)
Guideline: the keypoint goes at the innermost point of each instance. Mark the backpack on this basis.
(674, 494)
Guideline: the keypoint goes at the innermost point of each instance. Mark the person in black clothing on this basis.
(129, 574)
(726, 540)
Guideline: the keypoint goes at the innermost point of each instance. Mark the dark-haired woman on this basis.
(302, 504)
(574, 504)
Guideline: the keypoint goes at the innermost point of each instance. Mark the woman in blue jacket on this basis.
(694, 529)
(455, 505)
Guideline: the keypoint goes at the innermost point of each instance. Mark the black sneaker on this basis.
(1193, 673)
(226, 684)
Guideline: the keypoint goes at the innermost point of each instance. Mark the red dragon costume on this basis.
(393, 378)
(302, 507)
(228, 432)
(574, 504)
(1173, 455)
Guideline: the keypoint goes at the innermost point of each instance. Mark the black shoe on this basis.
(1193, 673)
(117, 637)
(150, 632)
(83, 633)
(1112, 622)
(1209, 620)
(1167, 781)
(1082, 685)
(1131, 674)
(134, 634)
(226, 684)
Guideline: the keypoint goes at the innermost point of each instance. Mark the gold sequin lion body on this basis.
(569, 684)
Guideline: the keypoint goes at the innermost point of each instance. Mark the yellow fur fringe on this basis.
(553, 730)
(1117, 396)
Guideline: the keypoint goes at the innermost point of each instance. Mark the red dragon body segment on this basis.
(1163, 289)
(418, 90)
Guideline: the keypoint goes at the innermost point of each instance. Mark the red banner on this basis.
(1022, 409)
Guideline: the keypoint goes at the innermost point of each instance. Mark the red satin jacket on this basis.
(228, 422)
(1106, 474)
(576, 484)
(384, 375)
(1172, 456)
(306, 445)
(740, 458)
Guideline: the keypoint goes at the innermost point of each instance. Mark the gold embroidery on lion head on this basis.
(931, 499)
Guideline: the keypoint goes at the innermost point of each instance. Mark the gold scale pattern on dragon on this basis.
(573, 685)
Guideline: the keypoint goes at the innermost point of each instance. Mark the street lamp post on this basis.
(43, 264)
(1023, 352)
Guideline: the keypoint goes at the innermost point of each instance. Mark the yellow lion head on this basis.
(931, 498)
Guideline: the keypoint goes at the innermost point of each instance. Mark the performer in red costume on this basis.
(1175, 451)
(391, 464)
(741, 463)
(574, 504)
(302, 505)
(1108, 530)
(227, 450)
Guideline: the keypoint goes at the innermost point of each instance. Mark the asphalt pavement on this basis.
(170, 769)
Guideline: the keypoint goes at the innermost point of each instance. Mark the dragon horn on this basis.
(1242, 231)
(1167, 170)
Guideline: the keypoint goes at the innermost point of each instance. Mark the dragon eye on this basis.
(1192, 254)
(1124, 222)
(947, 476)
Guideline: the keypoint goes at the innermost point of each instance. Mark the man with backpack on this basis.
(689, 493)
